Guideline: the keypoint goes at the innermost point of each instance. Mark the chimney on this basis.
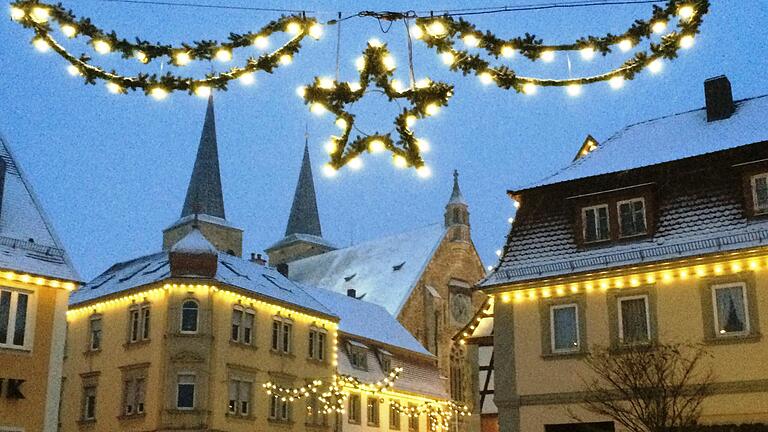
(351, 292)
(717, 92)
(282, 268)
(257, 259)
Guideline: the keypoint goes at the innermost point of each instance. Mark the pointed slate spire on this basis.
(456, 196)
(304, 218)
(204, 195)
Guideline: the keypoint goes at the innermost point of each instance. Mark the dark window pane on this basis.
(186, 396)
(5, 315)
(189, 317)
(564, 325)
(145, 319)
(761, 193)
(634, 321)
(21, 319)
(590, 234)
(275, 334)
(731, 310)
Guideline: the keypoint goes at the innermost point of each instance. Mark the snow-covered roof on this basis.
(666, 139)
(28, 242)
(202, 218)
(231, 270)
(367, 320)
(194, 243)
(296, 237)
(384, 271)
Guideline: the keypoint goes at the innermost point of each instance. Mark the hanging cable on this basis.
(338, 46)
(410, 52)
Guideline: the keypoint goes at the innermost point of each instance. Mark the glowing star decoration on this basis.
(422, 100)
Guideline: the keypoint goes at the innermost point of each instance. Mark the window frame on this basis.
(618, 217)
(90, 402)
(241, 397)
(753, 191)
(282, 338)
(100, 319)
(394, 416)
(584, 223)
(372, 411)
(577, 325)
(317, 343)
(29, 319)
(715, 318)
(279, 410)
(354, 408)
(620, 319)
(413, 421)
(197, 316)
(194, 390)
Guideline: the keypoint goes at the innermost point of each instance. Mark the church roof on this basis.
(231, 271)
(204, 194)
(304, 218)
(456, 196)
(28, 242)
(384, 270)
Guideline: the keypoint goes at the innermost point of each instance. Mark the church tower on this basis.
(303, 235)
(204, 205)
(457, 213)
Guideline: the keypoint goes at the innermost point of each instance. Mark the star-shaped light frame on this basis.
(377, 67)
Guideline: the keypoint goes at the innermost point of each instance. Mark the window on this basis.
(248, 320)
(317, 344)
(354, 408)
(386, 362)
(564, 331)
(457, 383)
(89, 403)
(14, 310)
(239, 398)
(279, 410)
(185, 391)
(394, 416)
(760, 193)
(315, 414)
(373, 410)
(282, 334)
(634, 320)
(139, 323)
(730, 309)
(595, 222)
(94, 344)
(413, 420)
(237, 322)
(145, 322)
(632, 217)
(134, 390)
(358, 356)
(189, 316)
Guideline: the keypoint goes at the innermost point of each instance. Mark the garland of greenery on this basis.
(37, 15)
(439, 414)
(440, 34)
(377, 67)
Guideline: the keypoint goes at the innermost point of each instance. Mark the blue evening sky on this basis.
(112, 171)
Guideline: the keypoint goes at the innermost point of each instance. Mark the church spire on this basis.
(204, 195)
(456, 196)
(304, 218)
(457, 213)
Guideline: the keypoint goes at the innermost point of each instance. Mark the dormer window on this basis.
(358, 355)
(760, 193)
(632, 217)
(595, 223)
(385, 359)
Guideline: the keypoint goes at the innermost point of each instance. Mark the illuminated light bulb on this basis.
(261, 42)
(17, 13)
(73, 70)
(40, 14)
(573, 90)
(354, 86)
(69, 30)
(397, 85)
(416, 32)
(389, 62)
(511, 220)
(158, 93)
(330, 147)
(301, 91)
(423, 145)
(375, 42)
(686, 12)
(293, 28)
(223, 55)
(360, 63)
(341, 123)
(140, 56)
(686, 41)
(114, 88)
(355, 163)
(376, 146)
(471, 40)
(182, 58)
(41, 44)
(625, 45)
(659, 26)
(410, 120)
(507, 51)
(102, 46)
(432, 109)
(485, 78)
(718, 269)
(329, 170)
(587, 53)
(202, 91)
(316, 31)
(423, 83)
(286, 59)
(547, 56)
(448, 58)
(616, 82)
(516, 204)
(655, 66)
(326, 83)
(436, 29)
(498, 252)
(490, 267)
(424, 171)
(247, 78)
(530, 88)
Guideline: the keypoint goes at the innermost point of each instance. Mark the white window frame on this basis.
(618, 216)
(279, 410)
(29, 324)
(284, 346)
(197, 317)
(716, 320)
(552, 309)
(244, 314)
(647, 318)
(237, 309)
(753, 185)
(584, 222)
(194, 390)
(316, 351)
(240, 397)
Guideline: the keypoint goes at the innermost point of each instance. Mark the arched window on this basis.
(189, 316)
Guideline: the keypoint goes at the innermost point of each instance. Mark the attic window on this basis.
(385, 359)
(273, 282)
(760, 193)
(398, 266)
(358, 355)
(349, 278)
